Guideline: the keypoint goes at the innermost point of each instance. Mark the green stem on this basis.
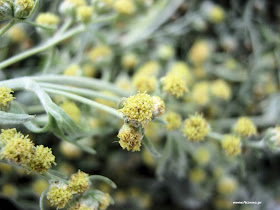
(43, 195)
(86, 101)
(80, 91)
(82, 82)
(215, 136)
(47, 45)
(8, 26)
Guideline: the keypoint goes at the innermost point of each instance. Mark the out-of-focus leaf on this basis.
(104, 179)
(150, 147)
(7, 118)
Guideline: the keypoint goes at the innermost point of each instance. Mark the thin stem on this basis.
(215, 136)
(49, 61)
(86, 101)
(80, 91)
(48, 44)
(8, 26)
(43, 195)
(83, 82)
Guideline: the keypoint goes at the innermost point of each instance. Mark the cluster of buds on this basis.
(20, 9)
(138, 111)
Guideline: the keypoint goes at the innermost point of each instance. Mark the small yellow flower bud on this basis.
(174, 84)
(231, 145)
(227, 185)
(216, 14)
(100, 53)
(22, 8)
(84, 13)
(200, 93)
(59, 194)
(245, 127)
(165, 52)
(202, 156)
(221, 89)
(70, 150)
(199, 52)
(159, 106)
(72, 70)
(42, 159)
(5, 97)
(150, 68)
(79, 182)
(139, 108)
(183, 70)
(197, 175)
(130, 138)
(88, 70)
(70, 6)
(8, 134)
(104, 201)
(72, 110)
(47, 19)
(173, 120)
(196, 128)
(39, 185)
(129, 61)
(125, 7)
(145, 83)
(17, 34)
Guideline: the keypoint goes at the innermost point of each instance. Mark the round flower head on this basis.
(183, 70)
(227, 185)
(72, 70)
(145, 83)
(245, 127)
(221, 89)
(216, 14)
(5, 97)
(129, 61)
(22, 8)
(19, 149)
(130, 138)
(104, 201)
(139, 108)
(72, 110)
(165, 51)
(199, 52)
(79, 182)
(174, 84)
(8, 134)
(125, 7)
(149, 68)
(100, 53)
(159, 106)
(9, 190)
(231, 145)
(200, 93)
(173, 120)
(197, 175)
(6, 9)
(59, 194)
(195, 128)
(84, 13)
(42, 159)
(70, 6)
(39, 186)
(202, 156)
(47, 19)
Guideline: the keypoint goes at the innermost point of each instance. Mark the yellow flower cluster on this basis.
(216, 14)
(20, 149)
(227, 185)
(245, 127)
(125, 7)
(72, 70)
(144, 83)
(173, 120)
(79, 182)
(174, 84)
(202, 156)
(195, 128)
(84, 13)
(199, 52)
(129, 61)
(99, 53)
(221, 89)
(22, 8)
(17, 34)
(166, 51)
(159, 106)
(47, 19)
(5, 97)
(200, 93)
(59, 194)
(149, 68)
(130, 138)
(139, 108)
(231, 145)
(183, 70)
(72, 110)
(197, 175)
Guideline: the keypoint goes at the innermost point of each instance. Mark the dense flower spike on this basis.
(79, 182)
(42, 159)
(245, 127)
(231, 145)
(5, 97)
(59, 195)
(173, 120)
(130, 138)
(195, 128)
(139, 108)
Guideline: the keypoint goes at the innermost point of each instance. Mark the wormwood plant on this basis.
(164, 80)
